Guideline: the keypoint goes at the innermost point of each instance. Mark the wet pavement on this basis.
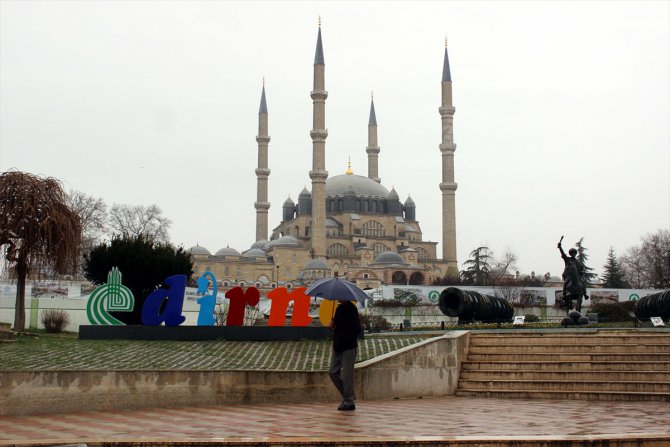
(390, 419)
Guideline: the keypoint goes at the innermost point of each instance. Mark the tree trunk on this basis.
(20, 306)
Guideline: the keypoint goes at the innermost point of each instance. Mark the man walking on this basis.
(346, 326)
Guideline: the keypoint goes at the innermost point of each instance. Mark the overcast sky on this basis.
(562, 111)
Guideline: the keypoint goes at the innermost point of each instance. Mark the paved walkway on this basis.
(48, 353)
(395, 419)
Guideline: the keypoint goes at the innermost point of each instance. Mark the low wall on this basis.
(429, 368)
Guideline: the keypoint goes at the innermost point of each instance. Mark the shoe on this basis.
(347, 406)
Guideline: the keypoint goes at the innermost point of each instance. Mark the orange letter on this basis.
(280, 298)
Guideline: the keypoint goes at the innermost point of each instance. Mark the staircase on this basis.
(568, 364)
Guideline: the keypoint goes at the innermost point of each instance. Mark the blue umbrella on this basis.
(336, 289)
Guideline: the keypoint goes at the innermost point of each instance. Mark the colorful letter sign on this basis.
(110, 297)
(171, 313)
(207, 302)
(165, 305)
(239, 299)
(280, 298)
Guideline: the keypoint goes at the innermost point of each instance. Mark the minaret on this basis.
(448, 185)
(262, 172)
(373, 149)
(318, 174)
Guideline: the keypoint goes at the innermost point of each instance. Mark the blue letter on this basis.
(171, 315)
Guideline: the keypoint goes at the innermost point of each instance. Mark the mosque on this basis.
(348, 225)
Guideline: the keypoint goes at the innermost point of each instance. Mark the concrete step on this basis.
(567, 385)
(557, 375)
(577, 395)
(554, 339)
(581, 364)
(567, 357)
(567, 365)
(580, 348)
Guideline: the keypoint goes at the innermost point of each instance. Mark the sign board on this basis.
(519, 319)
(657, 321)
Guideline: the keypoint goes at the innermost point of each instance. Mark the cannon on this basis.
(655, 305)
(471, 306)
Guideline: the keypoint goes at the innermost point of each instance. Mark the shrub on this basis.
(375, 323)
(55, 320)
(531, 318)
(611, 312)
(629, 306)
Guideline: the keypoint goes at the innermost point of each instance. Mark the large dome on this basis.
(362, 186)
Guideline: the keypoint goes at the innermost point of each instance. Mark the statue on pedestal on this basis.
(574, 281)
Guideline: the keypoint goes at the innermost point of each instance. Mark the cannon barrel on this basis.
(470, 306)
(655, 305)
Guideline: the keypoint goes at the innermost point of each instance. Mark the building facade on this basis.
(348, 225)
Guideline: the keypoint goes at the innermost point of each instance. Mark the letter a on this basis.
(171, 315)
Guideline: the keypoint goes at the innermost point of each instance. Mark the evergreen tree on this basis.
(613, 277)
(478, 267)
(145, 263)
(583, 257)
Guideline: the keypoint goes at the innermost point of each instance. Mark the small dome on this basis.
(227, 251)
(284, 241)
(198, 250)
(389, 257)
(409, 228)
(254, 253)
(393, 195)
(289, 202)
(316, 264)
(409, 201)
(305, 193)
(259, 244)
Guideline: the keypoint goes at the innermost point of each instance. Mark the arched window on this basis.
(416, 278)
(373, 228)
(399, 278)
(337, 250)
(422, 254)
(380, 248)
(226, 271)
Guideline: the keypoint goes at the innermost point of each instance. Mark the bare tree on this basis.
(37, 230)
(648, 264)
(133, 221)
(92, 215)
(502, 264)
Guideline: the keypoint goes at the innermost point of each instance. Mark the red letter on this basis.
(239, 299)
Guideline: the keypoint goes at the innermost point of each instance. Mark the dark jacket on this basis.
(347, 326)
